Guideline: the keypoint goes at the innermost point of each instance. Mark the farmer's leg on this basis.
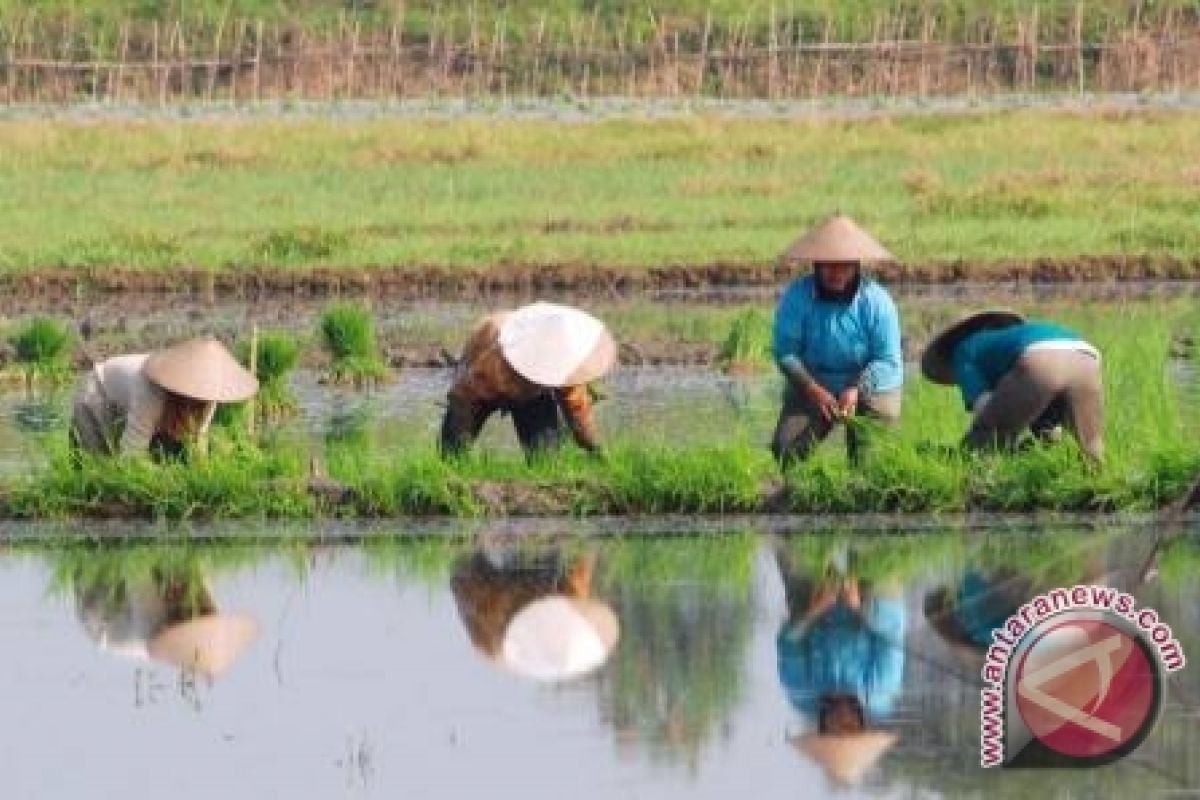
(1049, 423)
(880, 410)
(461, 424)
(1019, 398)
(538, 424)
(1085, 405)
(798, 585)
(799, 429)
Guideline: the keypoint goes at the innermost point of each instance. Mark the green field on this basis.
(1150, 461)
(988, 190)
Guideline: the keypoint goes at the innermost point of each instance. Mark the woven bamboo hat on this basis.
(937, 360)
(559, 638)
(203, 370)
(838, 238)
(207, 645)
(845, 757)
(555, 345)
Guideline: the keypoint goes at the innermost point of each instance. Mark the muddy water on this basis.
(382, 671)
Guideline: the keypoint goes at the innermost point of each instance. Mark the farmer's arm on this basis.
(884, 370)
(576, 404)
(146, 405)
(967, 373)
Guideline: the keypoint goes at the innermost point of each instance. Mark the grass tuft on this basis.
(348, 334)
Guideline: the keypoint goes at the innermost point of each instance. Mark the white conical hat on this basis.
(837, 239)
(846, 757)
(554, 345)
(207, 645)
(201, 369)
(557, 638)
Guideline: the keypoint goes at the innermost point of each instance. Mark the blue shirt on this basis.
(841, 344)
(841, 653)
(984, 357)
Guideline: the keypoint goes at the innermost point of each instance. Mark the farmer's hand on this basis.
(848, 401)
(852, 595)
(823, 598)
(823, 401)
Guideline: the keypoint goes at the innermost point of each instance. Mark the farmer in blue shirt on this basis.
(836, 340)
(1017, 376)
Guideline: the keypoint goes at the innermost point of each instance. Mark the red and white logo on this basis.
(1086, 688)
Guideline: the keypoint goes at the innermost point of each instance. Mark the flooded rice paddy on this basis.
(385, 668)
(668, 371)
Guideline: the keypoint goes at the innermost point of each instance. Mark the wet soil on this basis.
(457, 282)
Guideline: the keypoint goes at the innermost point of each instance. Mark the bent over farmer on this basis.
(534, 363)
(1017, 376)
(159, 402)
(836, 340)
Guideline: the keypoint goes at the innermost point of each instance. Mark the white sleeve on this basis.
(146, 406)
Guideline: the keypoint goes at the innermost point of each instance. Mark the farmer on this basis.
(534, 363)
(168, 617)
(534, 615)
(1018, 376)
(841, 662)
(161, 402)
(836, 340)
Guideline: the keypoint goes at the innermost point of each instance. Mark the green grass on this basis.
(276, 355)
(623, 193)
(747, 346)
(99, 20)
(348, 334)
(42, 350)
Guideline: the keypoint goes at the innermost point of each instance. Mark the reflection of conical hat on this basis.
(207, 645)
(845, 757)
(203, 370)
(557, 638)
(937, 361)
(836, 239)
(554, 345)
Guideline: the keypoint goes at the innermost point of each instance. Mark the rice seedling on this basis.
(277, 355)
(42, 351)
(348, 334)
(747, 346)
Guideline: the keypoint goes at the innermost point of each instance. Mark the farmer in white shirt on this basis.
(157, 402)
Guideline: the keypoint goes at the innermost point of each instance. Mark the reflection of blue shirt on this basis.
(983, 358)
(840, 343)
(977, 610)
(843, 654)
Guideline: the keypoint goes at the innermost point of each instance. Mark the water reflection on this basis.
(841, 657)
(687, 618)
(148, 605)
(533, 613)
(672, 666)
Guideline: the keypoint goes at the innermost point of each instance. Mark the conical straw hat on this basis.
(203, 370)
(557, 638)
(207, 645)
(554, 345)
(846, 757)
(937, 360)
(838, 238)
